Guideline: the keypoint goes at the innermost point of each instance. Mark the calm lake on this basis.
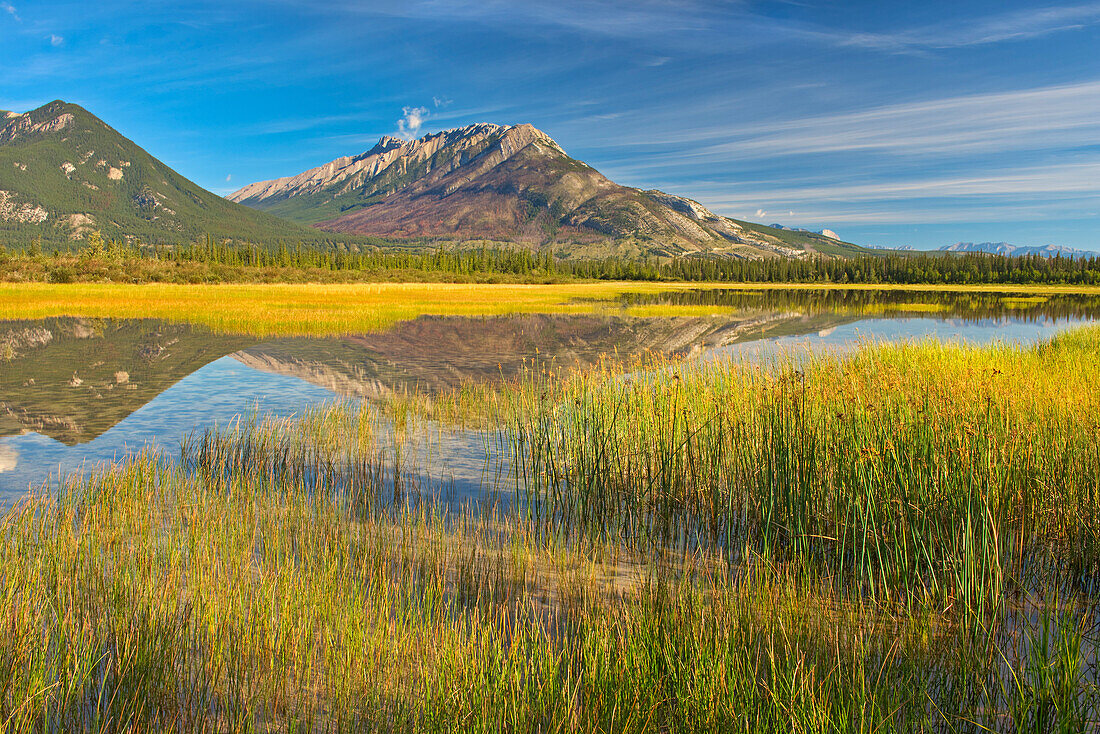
(75, 392)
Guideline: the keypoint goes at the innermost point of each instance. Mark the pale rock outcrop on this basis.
(79, 225)
(19, 125)
(22, 212)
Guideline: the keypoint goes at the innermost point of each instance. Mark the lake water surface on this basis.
(76, 392)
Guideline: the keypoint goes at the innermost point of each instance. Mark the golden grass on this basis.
(313, 309)
(305, 308)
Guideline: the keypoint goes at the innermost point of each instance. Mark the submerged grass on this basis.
(902, 539)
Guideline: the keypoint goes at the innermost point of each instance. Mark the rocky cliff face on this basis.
(397, 159)
(511, 183)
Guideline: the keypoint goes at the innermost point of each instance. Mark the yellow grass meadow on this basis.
(332, 309)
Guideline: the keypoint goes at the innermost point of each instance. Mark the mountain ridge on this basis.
(513, 183)
(65, 173)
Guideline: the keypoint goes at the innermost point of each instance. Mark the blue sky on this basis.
(892, 123)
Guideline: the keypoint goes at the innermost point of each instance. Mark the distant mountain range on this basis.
(65, 173)
(513, 183)
(1003, 248)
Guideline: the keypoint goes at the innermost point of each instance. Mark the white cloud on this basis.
(442, 102)
(56, 40)
(678, 21)
(10, 9)
(621, 18)
(1039, 118)
(1053, 181)
(837, 218)
(1058, 191)
(228, 177)
(413, 117)
(1013, 26)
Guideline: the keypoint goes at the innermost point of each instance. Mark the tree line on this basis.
(926, 268)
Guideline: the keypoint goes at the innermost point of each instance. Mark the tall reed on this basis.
(903, 539)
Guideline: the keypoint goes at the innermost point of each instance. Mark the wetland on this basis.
(602, 508)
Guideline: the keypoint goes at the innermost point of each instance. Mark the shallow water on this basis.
(76, 392)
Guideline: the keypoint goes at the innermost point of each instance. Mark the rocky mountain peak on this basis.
(486, 181)
(385, 144)
(48, 118)
(391, 159)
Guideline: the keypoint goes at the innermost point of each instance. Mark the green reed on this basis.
(901, 539)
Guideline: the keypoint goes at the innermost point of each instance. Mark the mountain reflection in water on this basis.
(75, 390)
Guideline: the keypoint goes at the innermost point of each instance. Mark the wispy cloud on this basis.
(1028, 119)
(1049, 181)
(1008, 156)
(633, 18)
(56, 40)
(672, 20)
(769, 106)
(411, 121)
(1012, 26)
(301, 124)
(836, 218)
(1061, 190)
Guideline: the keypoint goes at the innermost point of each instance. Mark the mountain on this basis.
(511, 183)
(65, 173)
(1003, 248)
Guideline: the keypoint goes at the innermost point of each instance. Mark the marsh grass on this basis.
(307, 309)
(902, 539)
(281, 309)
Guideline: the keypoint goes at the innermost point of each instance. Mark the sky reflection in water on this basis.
(96, 390)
